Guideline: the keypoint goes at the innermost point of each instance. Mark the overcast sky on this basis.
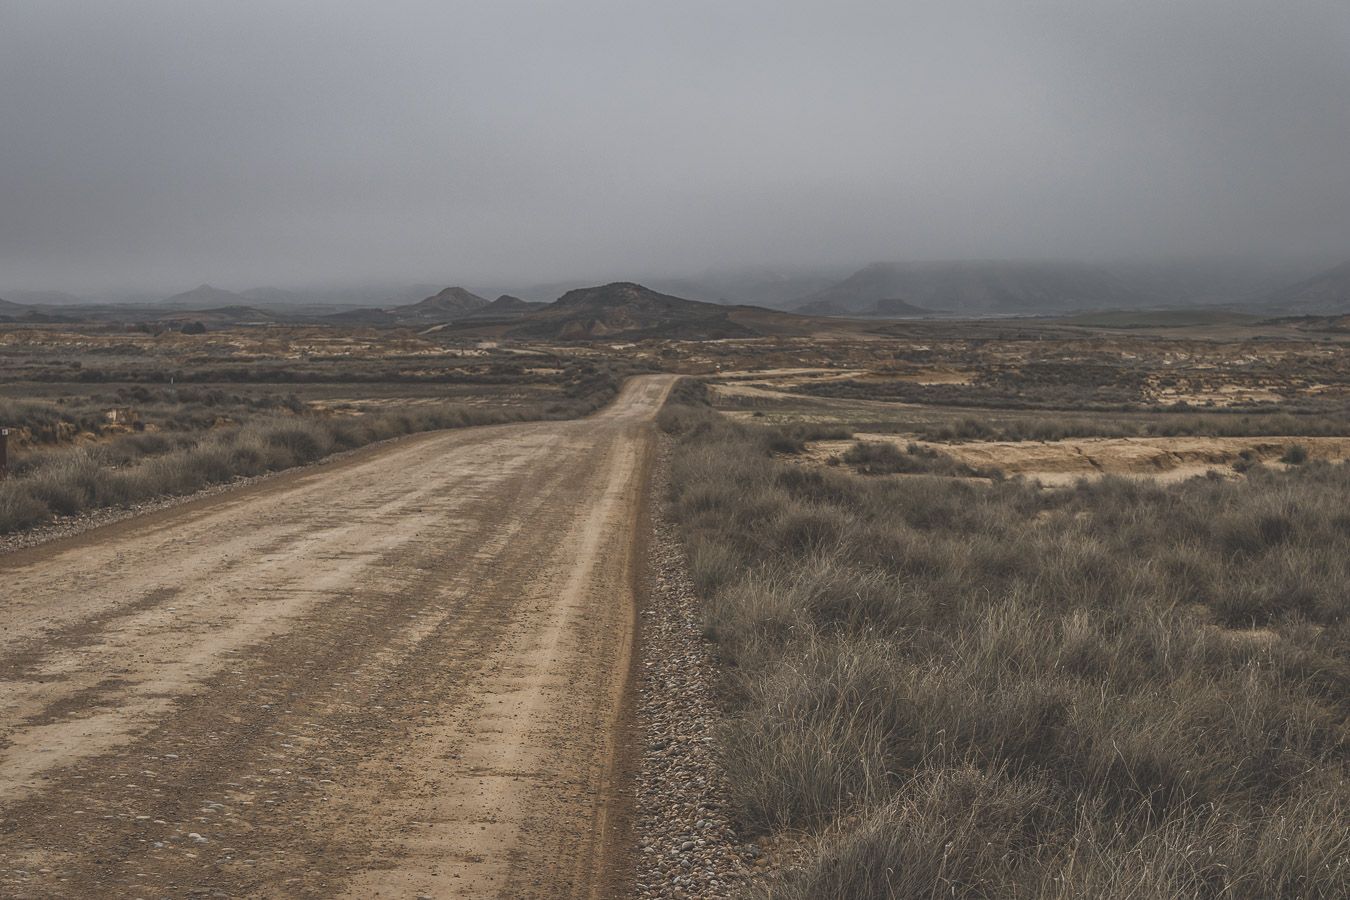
(162, 144)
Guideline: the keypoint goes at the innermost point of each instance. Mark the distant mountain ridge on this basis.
(1325, 292)
(43, 298)
(19, 312)
(881, 290)
(889, 308)
(974, 288)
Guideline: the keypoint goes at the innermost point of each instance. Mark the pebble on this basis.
(687, 841)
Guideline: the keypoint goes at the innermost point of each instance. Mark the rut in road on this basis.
(396, 674)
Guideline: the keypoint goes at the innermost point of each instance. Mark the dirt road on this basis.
(396, 675)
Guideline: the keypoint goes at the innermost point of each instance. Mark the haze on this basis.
(156, 145)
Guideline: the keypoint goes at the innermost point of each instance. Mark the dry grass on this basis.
(1058, 428)
(134, 468)
(885, 458)
(987, 690)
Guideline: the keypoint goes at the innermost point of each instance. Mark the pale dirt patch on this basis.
(1064, 462)
(1223, 396)
(791, 375)
(722, 392)
(936, 376)
(751, 396)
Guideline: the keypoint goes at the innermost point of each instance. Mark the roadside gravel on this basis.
(687, 844)
(68, 526)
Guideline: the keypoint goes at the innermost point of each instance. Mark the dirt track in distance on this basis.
(397, 675)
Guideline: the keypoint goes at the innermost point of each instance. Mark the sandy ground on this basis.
(397, 675)
(749, 395)
(1064, 462)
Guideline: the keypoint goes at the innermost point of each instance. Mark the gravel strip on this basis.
(67, 526)
(687, 844)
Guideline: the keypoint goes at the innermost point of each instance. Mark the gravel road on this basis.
(400, 674)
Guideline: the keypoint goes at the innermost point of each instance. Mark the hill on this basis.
(974, 288)
(628, 311)
(765, 287)
(18, 312)
(450, 304)
(1326, 292)
(204, 296)
(631, 310)
(506, 307)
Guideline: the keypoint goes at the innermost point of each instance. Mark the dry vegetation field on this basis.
(1004, 609)
(1046, 615)
(105, 416)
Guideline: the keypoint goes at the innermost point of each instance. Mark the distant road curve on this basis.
(394, 675)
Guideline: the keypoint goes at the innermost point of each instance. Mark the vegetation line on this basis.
(136, 468)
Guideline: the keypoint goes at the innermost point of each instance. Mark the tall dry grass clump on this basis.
(966, 689)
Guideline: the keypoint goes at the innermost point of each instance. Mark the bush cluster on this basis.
(885, 458)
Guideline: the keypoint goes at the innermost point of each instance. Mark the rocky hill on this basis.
(450, 304)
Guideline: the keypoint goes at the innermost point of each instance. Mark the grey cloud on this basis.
(161, 144)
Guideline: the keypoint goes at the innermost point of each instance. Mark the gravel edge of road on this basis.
(687, 844)
(69, 526)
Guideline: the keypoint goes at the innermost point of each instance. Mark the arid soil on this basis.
(1157, 458)
(397, 675)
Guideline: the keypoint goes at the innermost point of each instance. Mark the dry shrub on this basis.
(1117, 689)
(135, 468)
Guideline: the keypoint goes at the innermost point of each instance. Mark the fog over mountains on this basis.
(983, 288)
(967, 288)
